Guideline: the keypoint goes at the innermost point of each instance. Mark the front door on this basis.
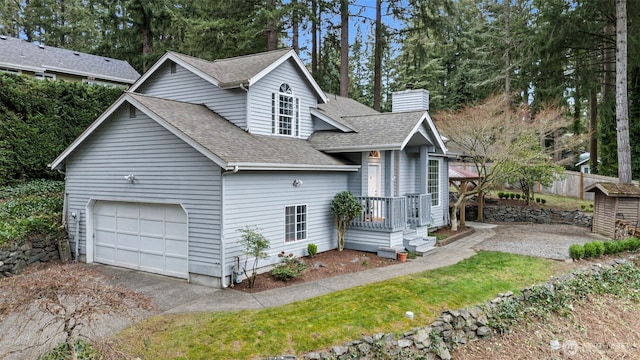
(374, 180)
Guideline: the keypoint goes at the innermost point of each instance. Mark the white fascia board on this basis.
(279, 167)
(22, 67)
(88, 131)
(426, 117)
(315, 112)
(291, 55)
(182, 136)
(82, 73)
(360, 148)
(170, 56)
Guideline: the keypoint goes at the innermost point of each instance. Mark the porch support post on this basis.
(389, 178)
(364, 179)
(424, 170)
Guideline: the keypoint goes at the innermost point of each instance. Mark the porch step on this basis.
(388, 252)
(420, 245)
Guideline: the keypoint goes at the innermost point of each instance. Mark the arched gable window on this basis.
(285, 112)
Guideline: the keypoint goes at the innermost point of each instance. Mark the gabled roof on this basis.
(379, 131)
(235, 72)
(615, 189)
(220, 140)
(22, 55)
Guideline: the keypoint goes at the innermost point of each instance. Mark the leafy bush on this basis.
(290, 267)
(538, 200)
(589, 250)
(312, 249)
(83, 349)
(632, 244)
(518, 196)
(30, 208)
(544, 201)
(611, 247)
(576, 251)
(254, 247)
(512, 195)
(501, 195)
(599, 246)
(40, 119)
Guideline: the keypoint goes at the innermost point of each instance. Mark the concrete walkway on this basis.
(175, 296)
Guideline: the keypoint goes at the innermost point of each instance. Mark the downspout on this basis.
(223, 275)
(76, 219)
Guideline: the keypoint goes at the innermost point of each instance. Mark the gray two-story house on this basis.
(196, 150)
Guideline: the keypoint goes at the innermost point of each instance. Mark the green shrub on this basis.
(312, 249)
(544, 201)
(501, 195)
(589, 250)
(518, 196)
(610, 247)
(538, 200)
(576, 251)
(583, 206)
(290, 267)
(512, 195)
(631, 244)
(599, 246)
(84, 351)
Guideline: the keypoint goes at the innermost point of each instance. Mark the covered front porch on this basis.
(392, 224)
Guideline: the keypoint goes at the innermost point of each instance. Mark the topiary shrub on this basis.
(345, 207)
(518, 196)
(512, 195)
(576, 251)
(544, 201)
(538, 200)
(589, 250)
(599, 246)
(501, 195)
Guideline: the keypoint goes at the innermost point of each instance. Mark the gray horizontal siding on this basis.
(259, 199)
(166, 169)
(260, 99)
(408, 174)
(367, 240)
(189, 87)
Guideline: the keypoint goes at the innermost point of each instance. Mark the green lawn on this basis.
(335, 318)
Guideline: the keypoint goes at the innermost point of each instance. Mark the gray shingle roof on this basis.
(23, 55)
(375, 131)
(229, 142)
(237, 70)
(338, 107)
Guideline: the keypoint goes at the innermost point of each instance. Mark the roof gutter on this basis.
(232, 171)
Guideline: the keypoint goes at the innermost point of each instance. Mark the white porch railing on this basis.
(418, 209)
(382, 213)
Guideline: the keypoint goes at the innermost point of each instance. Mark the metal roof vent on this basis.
(107, 60)
(2, 37)
(41, 46)
(76, 53)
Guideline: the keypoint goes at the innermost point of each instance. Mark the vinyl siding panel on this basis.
(364, 240)
(166, 170)
(258, 199)
(410, 100)
(260, 99)
(408, 173)
(186, 86)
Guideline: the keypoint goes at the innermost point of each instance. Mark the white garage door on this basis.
(148, 237)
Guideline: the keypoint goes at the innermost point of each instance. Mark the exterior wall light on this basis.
(130, 178)
(297, 182)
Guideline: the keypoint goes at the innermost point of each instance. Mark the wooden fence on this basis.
(574, 183)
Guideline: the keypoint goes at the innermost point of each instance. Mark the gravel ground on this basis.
(550, 241)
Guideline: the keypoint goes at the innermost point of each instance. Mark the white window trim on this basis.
(306, 222)
(44, 76)
(275, 112)
(435, 196)
(10, 71)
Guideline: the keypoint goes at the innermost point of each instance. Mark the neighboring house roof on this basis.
(235, 72)
(220, 140)
(22, 55)
(378, 131)
(457, 174)
(615, 189)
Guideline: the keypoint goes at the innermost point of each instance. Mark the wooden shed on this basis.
(614, 202)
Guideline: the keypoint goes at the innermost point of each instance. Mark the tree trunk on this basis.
(294, 26)
(314, 40)
(507, 49)
(622, 105)
(593, 121)
(272, 28)
(344, 48)
(377, 67)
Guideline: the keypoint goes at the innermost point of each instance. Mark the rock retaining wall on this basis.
(451, 329)
(502, 213)
(15, 258)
